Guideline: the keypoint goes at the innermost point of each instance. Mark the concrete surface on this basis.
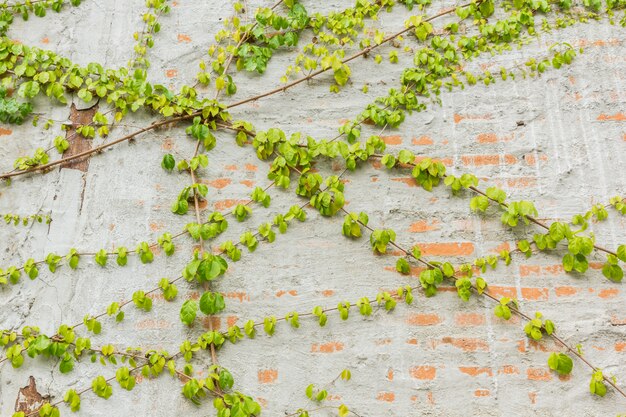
(438, 357)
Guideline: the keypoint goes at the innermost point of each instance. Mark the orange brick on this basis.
(231, 320)
(423, 140)
(424, 226)
(500, 291)
(211, 322)
(280, 293)
(470, 319)
(487, 138)
(467, 344)
(475, 371)
(390, 375)
(410, 181)
(423, 372)
(481, 393)
(423, 319)
(608, 293)
(247, 183)
(327, 347)
(479, 160)
(267, 376)
(171, 73)
(328, 293)
(251, 167)
(446, 161)
(219, 183)
(386, 396)
(538, 374)
(392, 140)
(565, 291)
(228, 203)
(526, 270)
(508, 370)
(458, 118)
(620, 346)
(152, 324)
(237, 295)
(535, 293)
(447, 249)
(231, 167)
(5, 132)
(617, 117)
(184, 38)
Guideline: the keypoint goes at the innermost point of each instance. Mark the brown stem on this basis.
(362, 52)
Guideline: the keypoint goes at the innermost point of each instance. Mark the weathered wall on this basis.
(440, 356)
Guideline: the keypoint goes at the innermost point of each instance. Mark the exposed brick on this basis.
(267, 376)
(280, 293)
(218, 183)
(479, 160)
(538, 374)
(608, 293)
(228, 203)
(565, 291)
(508, 370)
(423, 319)
(500, 291)
(410, 181)
(617, 117)
(466, 344)
(171, 73)
(386, 397)
(330, 347)
(392, 140)
(535, 293)
(183, 38)
(447, 249)
(475, 370)
(423, 372)
(620, 347)
(211, 322)
(458, 118)
(5, 132)
(422, 140)
(481, 393)
(424, 226)
(470, 319)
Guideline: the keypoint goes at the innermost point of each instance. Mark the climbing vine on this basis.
(438, 50)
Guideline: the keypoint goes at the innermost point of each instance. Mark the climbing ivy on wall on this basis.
(442, 45)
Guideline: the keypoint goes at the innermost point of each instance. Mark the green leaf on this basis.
(168, 162)
(211, 303)
(403, 266)
(188, 312)
(561, 363)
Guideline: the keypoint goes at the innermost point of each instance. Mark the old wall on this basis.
(440, 356)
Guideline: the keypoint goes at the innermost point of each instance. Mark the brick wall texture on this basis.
(438, 357)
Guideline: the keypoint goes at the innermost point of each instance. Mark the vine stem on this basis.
(490, 296)
(244, 38)
(201, 241)
(154, 244)
(100, 148)
(362, 52)
(155, 125)
(493, 298)
(504, 204)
